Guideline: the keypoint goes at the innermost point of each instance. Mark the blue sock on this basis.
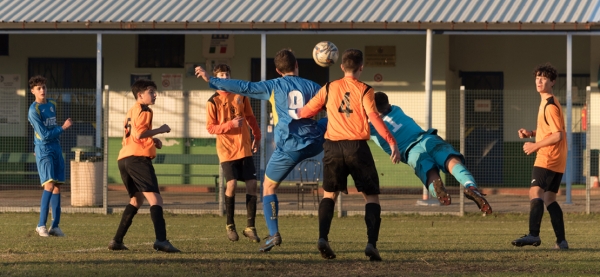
(271, 210)
(44, 205)
(55, 203)
(463, 176)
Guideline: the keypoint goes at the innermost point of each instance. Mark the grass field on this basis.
(410, 245)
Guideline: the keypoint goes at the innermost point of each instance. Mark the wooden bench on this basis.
(187, 160)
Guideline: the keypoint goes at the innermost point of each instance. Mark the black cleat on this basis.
(372, 253)
(165, 246)
(114, 245)
(325, 250)
(527, 240)
(473, 193)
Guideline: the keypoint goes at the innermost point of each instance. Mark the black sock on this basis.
(160, 228)
(230, 209)
(326, 209)
(558, 224)
(373, 221)
(536, 211)
(251, 209)
(126, 220)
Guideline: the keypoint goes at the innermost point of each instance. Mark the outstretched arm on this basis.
(385, 133)
(257, 90)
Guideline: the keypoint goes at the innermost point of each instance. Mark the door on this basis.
(484, 125)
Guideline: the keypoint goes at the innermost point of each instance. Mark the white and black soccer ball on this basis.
(325, 53)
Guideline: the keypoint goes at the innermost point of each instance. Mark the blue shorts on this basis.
(431, 152)
(50, 163)
(282, 163)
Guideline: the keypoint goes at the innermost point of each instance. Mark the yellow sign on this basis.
(380, 56)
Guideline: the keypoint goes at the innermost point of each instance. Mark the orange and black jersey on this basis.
(232, 143)
(349, 103)
(137, 121)
(551, 120)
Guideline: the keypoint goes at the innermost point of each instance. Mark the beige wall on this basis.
(516, 57)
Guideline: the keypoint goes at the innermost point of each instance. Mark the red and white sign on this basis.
(378, 77)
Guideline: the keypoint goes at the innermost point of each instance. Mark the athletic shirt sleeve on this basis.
(314, 105)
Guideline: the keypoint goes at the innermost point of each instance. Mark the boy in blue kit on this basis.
(48, 154)
(295, 139)
(426, 153)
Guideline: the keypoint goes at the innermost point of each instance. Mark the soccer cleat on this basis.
(325, 250)
(563, 245)
(42, 231)
(114, 245)
(232, 233)
(270, 242)
(57, 232)
(250, 233)
(372, 253)
(474, 194)
(165, 246)
(441, 193)
(527, 240)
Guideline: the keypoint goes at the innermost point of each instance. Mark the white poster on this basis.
(10, 106)
(171, 82)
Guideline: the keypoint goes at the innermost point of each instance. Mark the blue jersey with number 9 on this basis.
(286, 94)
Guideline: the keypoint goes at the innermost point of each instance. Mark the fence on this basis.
(483, 126)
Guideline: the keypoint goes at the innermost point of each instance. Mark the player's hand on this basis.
(395, 157)
(68, 123)
(524, 133)
(255, 145)
(157, 143)
(201, 73)
(529, 148)
(237, 122)
(164, 128)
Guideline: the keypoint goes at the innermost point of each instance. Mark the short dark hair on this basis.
(37, 80)
(140, 85)
(352, 59)
(221, 68)
(285, 61)
(381, 102)
(546, 70)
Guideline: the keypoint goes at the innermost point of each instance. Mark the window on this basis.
(161, 51)
(3, 45)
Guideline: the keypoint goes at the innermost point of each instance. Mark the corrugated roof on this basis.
(305, 11)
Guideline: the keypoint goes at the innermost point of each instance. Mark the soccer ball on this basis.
(325, 53)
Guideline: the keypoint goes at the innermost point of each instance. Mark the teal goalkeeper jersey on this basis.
(404, 129)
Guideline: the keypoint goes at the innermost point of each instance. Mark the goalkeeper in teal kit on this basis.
(426, 153)
(48, 154)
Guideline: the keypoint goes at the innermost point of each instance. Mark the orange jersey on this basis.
(138, 121)
(550, 120)
(348, 102)
(232, 143)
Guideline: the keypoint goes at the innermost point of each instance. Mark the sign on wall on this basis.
(10, 106)
(135, 76)
(171, 82)
(380, 56)
(218, 46)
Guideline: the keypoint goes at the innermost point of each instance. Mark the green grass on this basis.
(410, 246)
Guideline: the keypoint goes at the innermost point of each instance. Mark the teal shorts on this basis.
(431, 152)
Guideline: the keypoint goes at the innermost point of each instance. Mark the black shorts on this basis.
(349, 157)
(241, 170)
(546, 179)
(138, 175)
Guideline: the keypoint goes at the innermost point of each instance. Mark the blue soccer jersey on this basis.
(286, 94)
(404, 129)
(43, 119)
(48, 153)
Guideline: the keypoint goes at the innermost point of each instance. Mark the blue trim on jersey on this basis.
(288, 93)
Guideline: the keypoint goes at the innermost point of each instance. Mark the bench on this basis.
(187, 160)
(9, 163)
